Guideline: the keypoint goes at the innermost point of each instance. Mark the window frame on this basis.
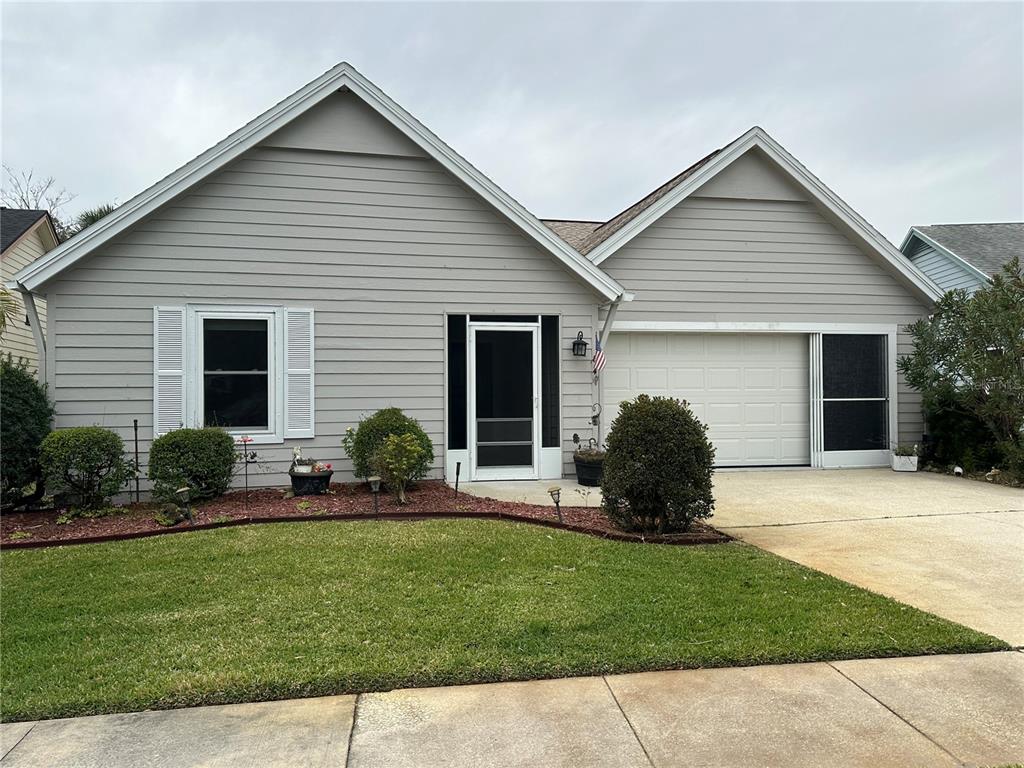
(194, 379)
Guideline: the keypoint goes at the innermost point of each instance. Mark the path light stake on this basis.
(556, 494)
(375, 490)
(458, 469)
(182, 494)
(135, 426)
(248, 457)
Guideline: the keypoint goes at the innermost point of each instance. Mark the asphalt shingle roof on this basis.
(14, 222)
(985, 246)
(572, 231)
(585, 236)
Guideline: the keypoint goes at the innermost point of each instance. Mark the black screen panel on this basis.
(549, 395)
(853, 366)
(457, 396)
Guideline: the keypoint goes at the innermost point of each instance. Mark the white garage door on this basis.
(750, 389)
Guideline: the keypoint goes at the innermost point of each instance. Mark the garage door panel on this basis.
(760, 450)
(724, 415)
(724, 378)
(761, 415)
(728, 451)
(761, 378)
(750, 389)
(687, 379)
(650, 379)
(685, 345)
(794, 379)
(793, 414)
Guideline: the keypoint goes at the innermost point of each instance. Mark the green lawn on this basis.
(301, 609)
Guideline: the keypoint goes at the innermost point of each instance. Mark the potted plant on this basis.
(309, 476)
(904, 458)
(589, 462)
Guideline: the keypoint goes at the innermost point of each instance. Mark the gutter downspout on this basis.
(606, 331)
(37, 330)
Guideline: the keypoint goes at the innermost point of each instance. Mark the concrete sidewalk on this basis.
(920, 711)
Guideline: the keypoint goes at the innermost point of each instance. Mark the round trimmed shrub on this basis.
(202, 459)
(657, 471)
(25, 413)
(86, 464)
(363, 443)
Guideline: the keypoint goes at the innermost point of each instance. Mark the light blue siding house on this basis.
(963, 255)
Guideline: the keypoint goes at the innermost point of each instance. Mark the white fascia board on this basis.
(230, 148)
(756, 137)
(696, 326)
(959, 260)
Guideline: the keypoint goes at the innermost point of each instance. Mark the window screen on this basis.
(236, 374)
(854, 366)
(457, 363)
(855, 392)
(549, 366)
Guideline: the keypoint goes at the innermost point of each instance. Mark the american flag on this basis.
(599, 360)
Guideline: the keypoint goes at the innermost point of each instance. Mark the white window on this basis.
(247, 369)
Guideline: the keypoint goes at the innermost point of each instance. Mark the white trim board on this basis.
(342, 76)
(685, 326)
(759, 138)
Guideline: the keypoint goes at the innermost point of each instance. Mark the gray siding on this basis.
(18, 339)
(380, 246)
(750, 258)
(945, 272)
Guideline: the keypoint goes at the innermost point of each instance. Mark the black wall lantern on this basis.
(579, 347)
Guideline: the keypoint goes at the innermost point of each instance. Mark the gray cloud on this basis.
(914, 113)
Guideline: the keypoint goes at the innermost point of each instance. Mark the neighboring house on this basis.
(963, 255)
(333, 257)
(26, 235)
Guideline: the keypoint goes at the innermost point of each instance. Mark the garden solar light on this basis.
(375, 489)
(182, 494)
(555, 493)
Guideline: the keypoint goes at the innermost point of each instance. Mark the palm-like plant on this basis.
(8, 309)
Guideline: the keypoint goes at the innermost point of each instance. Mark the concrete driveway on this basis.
(950, 546)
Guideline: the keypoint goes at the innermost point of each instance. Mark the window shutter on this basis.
(168, 369)
(298, 386)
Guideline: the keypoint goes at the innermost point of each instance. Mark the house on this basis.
(963, 255)
(333, 257)
(26, 235)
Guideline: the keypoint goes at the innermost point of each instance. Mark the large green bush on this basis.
(85, 464)
(364, 442)
(25, 413)
(967, 366)
(202, 459)
(657, 470)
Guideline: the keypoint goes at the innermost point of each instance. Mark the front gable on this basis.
(750, 245)
(340, 111)
(752, 176)
(344, 123)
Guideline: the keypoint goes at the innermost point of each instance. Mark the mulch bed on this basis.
(352, 501)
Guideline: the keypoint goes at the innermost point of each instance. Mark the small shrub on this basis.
(202, 459)
(363, 443)
(25, 413)
(396, 460)
(86, 464)
(170, 515)
(658, 467)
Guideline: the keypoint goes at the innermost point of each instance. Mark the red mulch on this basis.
(352, 500)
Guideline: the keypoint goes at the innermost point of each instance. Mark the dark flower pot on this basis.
(589, 471)
(310, 483)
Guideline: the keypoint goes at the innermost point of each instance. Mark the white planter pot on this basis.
(904, 463)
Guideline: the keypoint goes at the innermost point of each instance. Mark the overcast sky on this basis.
(913, 113)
